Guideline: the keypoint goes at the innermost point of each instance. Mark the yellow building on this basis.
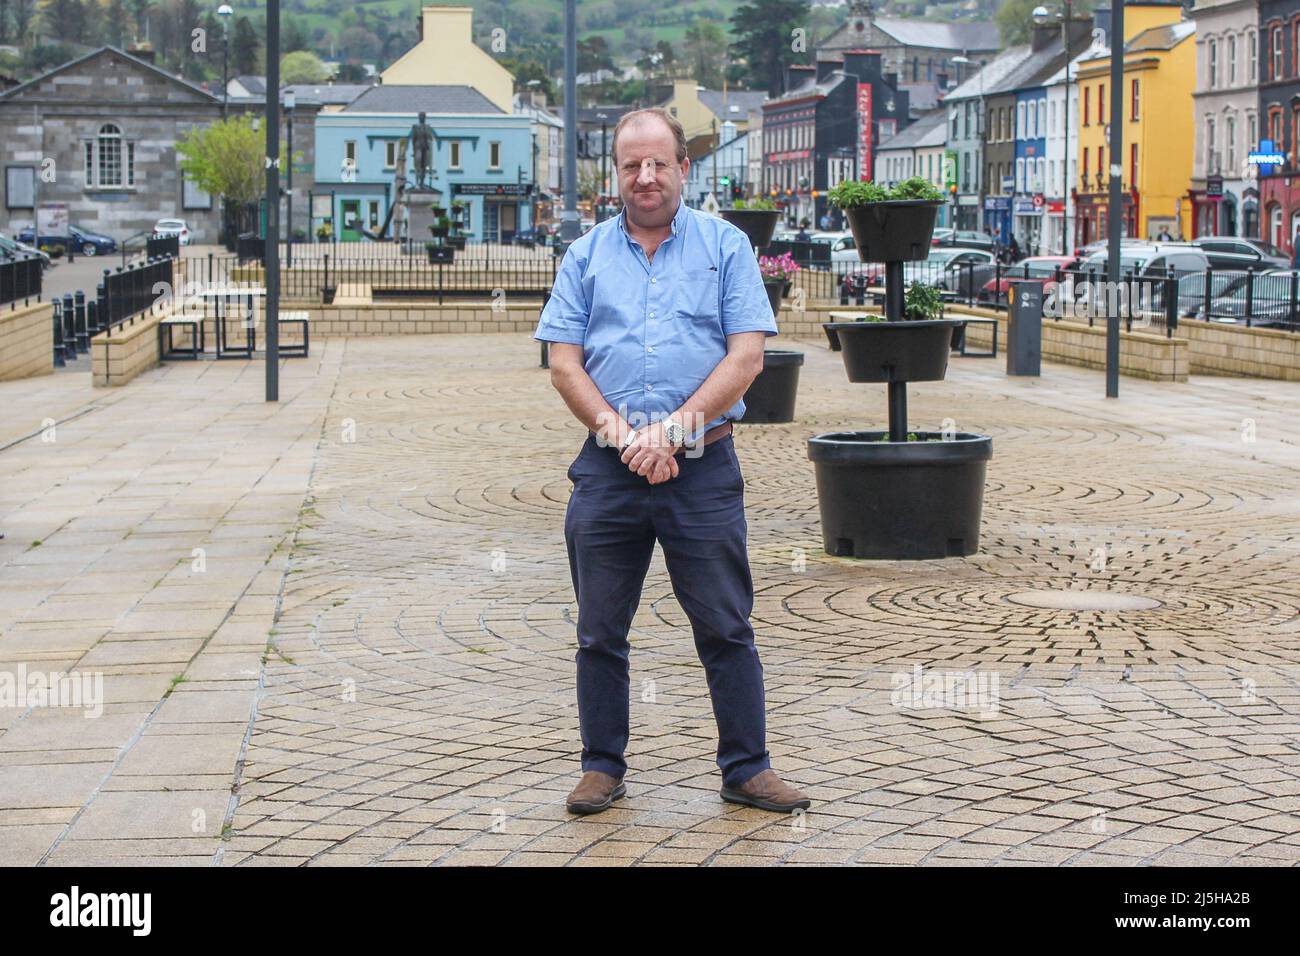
(1159, 77)
(447, 56)
(702, 112)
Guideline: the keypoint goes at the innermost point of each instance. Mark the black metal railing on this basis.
(20, 280)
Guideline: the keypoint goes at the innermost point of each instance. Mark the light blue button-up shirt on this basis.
(652, 332)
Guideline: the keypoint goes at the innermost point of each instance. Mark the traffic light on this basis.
(724, 181)
(737, 191)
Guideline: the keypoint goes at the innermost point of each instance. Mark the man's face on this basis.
(649, 176)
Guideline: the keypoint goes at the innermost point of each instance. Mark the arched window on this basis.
(1275, 235)
(109, 159)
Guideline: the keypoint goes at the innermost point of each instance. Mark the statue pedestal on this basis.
(419, 214)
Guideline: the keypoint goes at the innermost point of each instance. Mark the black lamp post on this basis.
(604, 152)
(225, 12)
(271, 254)
(289, 103)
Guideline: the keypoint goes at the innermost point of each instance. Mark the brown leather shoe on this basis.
(766, 791)
(595, 792)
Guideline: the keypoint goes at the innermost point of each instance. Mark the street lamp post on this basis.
(289, 103)
(604, 153)
(225, 12)
(1116, 212)
(271, 250)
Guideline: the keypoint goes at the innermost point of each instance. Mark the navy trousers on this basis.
(613, 519)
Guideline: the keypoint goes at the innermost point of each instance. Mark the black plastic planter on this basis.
(912, 500)
(757, 224)
(894, 351)
(897, 230)
(774, 288)
(770, 399)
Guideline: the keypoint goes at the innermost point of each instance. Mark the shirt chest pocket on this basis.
(696, 295)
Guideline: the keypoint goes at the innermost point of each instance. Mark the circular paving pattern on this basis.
(1128, 635)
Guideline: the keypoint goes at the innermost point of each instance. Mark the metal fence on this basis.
(20, 280)
(124, 295)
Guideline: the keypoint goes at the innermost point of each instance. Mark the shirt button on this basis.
(654, 280)
(649, 388)
(649, 348)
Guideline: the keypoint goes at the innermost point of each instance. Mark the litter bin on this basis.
(1024, 328)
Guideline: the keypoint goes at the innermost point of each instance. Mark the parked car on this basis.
(81, 241)
(1268, 295)
(1149, 259)
(1229, 252)
(1143, 263)
(16, 249)
(1042, 269)
(954, 269)
(172, 227)
(969, 238)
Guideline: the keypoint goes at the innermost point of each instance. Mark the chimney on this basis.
(864, 64)
(1041, 35)
(1101, 21)
(826, 67)
(796, 74)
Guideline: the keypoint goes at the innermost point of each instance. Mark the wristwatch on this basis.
(674, 432)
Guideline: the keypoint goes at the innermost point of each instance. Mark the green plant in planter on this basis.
(444, 222)
(854, 192)
(758, 203)
(922, 302)
(869, 317)
(916, 188)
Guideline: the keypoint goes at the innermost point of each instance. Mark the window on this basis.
(1101, 103)
(1276, 36)
(1275, 126)
(1214, 63)
(494, 155)
(1295, 51)
(1230, 145)
(1042, 118)
(108, 161)
(1087, 99)
(1251, 132)
(954, 124)
(992, 178)
(20, 187)
(1051, 118)
(1085, 167)
(1232, 61)
(1211, 158)
(453, 155)
(1021, 186)
(1133, 165)
(390, 155)
(373, 214)
(1101, 164)
(968, 108)
(1135, 101)
(350, 152)
(1295, 133)
(1020, 120)
(1252, 56)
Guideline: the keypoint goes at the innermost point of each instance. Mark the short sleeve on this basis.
(565, 317)
(745, 305)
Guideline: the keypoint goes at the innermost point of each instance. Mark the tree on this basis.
(706, 47)
(244, 47)
(358, 43)
(293, 36)
(302, 67)
(67, 19)
(1015, 18)
(763, 31)
(526, 70)
(594, 55)
(351, 73)
(22, 13)
(227, 158)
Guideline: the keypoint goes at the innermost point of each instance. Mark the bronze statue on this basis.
(422, 152)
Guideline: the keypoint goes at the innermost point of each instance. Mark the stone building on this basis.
(99, 133)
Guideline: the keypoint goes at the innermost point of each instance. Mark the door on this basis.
(351, 220)
(509, 221)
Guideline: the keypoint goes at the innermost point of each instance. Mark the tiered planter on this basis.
(897, 494)
(770, 397)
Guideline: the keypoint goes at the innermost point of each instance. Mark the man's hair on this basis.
(658, 112)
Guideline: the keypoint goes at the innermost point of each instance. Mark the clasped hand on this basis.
(651, 456)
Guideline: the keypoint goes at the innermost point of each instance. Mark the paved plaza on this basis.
(339, 630)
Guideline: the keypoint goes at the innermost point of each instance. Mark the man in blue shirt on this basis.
(656, 323)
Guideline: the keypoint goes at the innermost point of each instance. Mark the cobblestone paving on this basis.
(416, 701)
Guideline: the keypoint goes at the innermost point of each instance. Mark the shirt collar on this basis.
(678, 222)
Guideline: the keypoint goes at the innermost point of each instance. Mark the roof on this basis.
(809, 88)
(1032, 70)
(922, 96)
(993, 73)
(422, 99)
(256, 85)
(930, 130)
(735, 105)
(942, 36)
(1161, 38)
(328, 94)
(194, 87)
